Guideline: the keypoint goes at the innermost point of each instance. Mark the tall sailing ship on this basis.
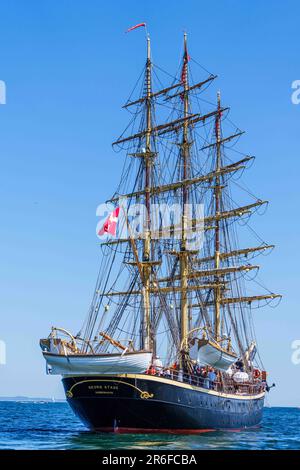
(168, 344)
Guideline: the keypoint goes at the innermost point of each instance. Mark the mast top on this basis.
(185, 43)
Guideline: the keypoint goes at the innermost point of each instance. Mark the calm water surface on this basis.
(54, 426)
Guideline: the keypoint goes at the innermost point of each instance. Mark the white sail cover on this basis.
(206, 353)
(240, 377)
(134, 363)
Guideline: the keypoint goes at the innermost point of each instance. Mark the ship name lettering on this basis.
(103, 387)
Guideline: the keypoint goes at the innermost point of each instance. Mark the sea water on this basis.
(31, 425)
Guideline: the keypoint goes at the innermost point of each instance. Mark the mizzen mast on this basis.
(217, 195)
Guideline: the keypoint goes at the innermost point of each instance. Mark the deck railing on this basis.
(223, 383)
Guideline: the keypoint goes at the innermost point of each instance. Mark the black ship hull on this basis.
(142, 403)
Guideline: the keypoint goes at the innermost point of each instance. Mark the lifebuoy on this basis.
(151, 371)
(256, 373)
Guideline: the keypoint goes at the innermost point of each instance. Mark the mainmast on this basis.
(147, 155)
(185, 153)
(217, 195)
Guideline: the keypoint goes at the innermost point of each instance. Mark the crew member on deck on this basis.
(211, 377)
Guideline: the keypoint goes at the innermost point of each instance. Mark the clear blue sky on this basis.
(68, 67)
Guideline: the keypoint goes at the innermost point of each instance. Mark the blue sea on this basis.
(30, 425)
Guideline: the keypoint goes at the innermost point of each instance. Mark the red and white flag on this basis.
(140, 25)
(184, 70)
(110, 225)
(186, 59)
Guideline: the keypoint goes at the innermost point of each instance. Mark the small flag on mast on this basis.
(140, 25)
(183, 76)
(110, 225)
(186, 59)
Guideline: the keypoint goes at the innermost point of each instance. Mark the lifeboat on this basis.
(64, 357)
(210, 353)
(86, 364)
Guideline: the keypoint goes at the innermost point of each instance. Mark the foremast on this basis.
(147, 341)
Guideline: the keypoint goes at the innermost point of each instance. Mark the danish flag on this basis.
(186, 59)
(184, 70)
(110, 225)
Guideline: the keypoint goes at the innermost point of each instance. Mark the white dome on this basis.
(240, 377)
